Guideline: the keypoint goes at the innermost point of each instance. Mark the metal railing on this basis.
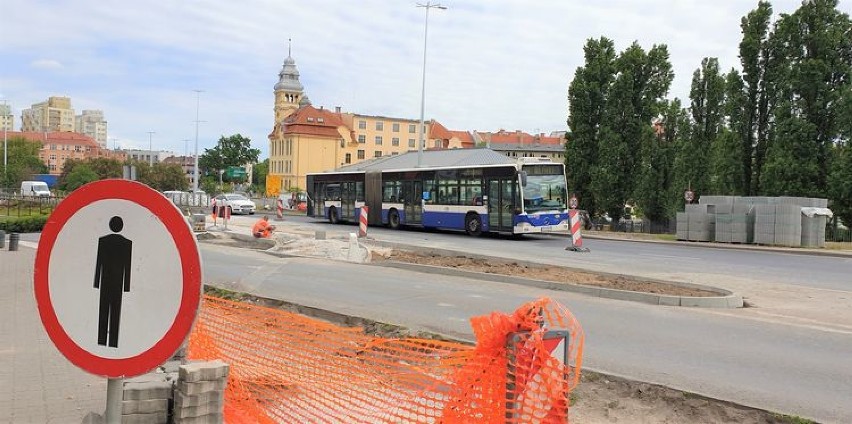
(17, 205)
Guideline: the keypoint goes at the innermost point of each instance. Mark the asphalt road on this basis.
(789, 369)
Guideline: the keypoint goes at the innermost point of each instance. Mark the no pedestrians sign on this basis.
(117, 278)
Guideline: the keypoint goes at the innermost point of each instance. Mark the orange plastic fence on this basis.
(292, 369)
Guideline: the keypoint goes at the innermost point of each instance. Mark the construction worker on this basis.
(262, 228)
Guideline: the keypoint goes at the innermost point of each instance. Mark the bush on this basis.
(23, 224)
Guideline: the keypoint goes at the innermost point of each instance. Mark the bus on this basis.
(475, 190)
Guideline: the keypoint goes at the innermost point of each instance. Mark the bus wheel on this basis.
(393, 219)
(332, 215)
(473, 224)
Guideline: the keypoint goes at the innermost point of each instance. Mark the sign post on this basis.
(117, 281)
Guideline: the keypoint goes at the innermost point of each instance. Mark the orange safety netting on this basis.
(289, 368)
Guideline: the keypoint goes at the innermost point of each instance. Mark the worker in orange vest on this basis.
(262, 228)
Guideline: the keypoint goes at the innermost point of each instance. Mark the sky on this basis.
(491, 65)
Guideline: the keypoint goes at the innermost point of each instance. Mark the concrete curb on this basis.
(746, 247)
(726, 299)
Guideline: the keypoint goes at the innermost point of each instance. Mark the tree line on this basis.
(778, 126)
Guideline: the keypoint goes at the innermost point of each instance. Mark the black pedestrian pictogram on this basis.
(112, 277)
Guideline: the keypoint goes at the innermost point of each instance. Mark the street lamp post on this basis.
(426, 6)
(195, 168)
(5, 141)
(150, 149)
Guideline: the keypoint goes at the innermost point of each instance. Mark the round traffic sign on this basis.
(117, 278)
(689, 196)
(572, 202)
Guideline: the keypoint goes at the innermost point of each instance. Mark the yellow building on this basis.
(54, 115)
(306, 139)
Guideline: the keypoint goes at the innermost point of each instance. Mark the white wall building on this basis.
(92, 124)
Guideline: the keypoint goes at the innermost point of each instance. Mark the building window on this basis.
(412, 128)
(411, 142)
(396, 127)
(360, 154)
(378, 140)
(362, 125)
(320, 120)
(362, 138)
(377, 154)
(437, 144)
(349, 158)
(310, 119)
(395, 141)
(380, 126)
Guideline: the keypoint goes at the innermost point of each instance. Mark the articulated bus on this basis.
(494, 194)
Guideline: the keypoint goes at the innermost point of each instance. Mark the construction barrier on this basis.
(279, 210)
(576, 224)
(287, 368)
(362, 221)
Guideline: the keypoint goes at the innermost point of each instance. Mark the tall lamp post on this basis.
(195, 168)
(5, 141)
(150, 149)
(426, 6)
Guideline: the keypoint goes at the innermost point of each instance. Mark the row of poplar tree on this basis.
(779, 126)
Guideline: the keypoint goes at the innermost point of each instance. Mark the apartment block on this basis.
(53, 115)
(92, 124)
(7, 121)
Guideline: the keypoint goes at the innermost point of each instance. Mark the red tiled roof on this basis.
(309, 120)
(519, 137)
(436, 130)
(56, 137)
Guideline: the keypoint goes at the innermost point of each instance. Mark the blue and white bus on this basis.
(475, 190)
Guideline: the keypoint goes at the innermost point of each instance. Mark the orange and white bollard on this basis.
(576, 236)
(279, 210)
(362, 221)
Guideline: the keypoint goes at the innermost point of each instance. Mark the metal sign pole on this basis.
(115, 394)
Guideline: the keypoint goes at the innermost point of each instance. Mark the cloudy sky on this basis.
(491, 64)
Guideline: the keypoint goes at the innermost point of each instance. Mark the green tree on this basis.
(79, 175)
(164, 177)
(106, 167)
(22, 162)
(814, 70)
(234, 150)
(737, 126)
(757, 77)
(726, 165)
(840, 184)
(258, 176)
(707, 95)
(637, 95)
(587, 97)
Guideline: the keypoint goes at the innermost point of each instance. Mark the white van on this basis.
(34, 189)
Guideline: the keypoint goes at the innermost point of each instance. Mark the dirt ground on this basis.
(544, 273)
(600, 398)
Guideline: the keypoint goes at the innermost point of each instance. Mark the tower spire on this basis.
(289, 46)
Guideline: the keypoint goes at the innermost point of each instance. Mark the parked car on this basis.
(238, 203)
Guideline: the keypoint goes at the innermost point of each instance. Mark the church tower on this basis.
(289, 93)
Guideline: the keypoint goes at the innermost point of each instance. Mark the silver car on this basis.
(238, 203)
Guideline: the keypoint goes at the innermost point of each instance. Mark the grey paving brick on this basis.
(144, 406)
(206, 419)
(203, 371)
(152, 418)
(200, 387)
(184, 400)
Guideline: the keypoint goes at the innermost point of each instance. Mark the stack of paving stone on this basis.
(200, 393)
(723, 218)
(742, 222)
(813, 227)
(788, 225)
(764, 224)
(146, 398)
(701, 222)
(682, 226)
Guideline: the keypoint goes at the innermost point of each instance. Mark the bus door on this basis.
(501, 204)
(413, 194)
(347, 201)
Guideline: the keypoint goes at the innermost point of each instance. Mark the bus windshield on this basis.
(544, 193)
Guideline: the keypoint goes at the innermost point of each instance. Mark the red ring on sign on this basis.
(190, 260)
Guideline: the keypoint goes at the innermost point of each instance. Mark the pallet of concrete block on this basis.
(682, 226)
(813, 226)
(788, 225)
(146, 399)
(742, 228)
(200, 393)
(724, 227)
(764, 224)
(699, 222)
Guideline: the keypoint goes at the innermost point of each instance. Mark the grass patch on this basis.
(837, 245)
(789, 419)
